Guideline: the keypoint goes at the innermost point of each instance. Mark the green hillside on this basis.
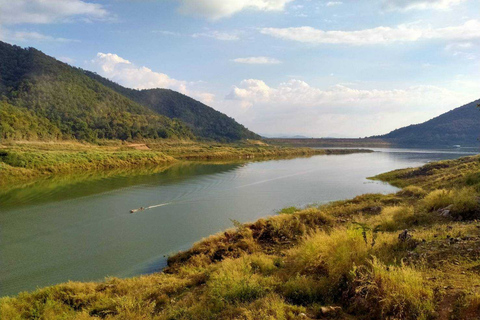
(43, 98)
(204, 121)
(460, 126)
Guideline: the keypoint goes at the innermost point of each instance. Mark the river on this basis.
(80, 228)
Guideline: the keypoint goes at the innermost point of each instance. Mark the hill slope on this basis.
(460, 126)
(45, 98)
(204, 121)
(42, 98)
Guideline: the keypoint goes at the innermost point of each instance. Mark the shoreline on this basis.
(27, 162)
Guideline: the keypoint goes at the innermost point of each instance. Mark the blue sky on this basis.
(315, 68)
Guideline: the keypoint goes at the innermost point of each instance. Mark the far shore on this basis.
(26, 161)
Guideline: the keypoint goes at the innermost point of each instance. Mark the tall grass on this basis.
(398, 292)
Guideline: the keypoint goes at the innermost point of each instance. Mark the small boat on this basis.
(136, 210)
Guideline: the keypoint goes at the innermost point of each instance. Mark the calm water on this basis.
(61, 230)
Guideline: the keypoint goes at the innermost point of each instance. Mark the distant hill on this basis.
(204, 121)
(284, 136)
(43, 98)
(460, 126)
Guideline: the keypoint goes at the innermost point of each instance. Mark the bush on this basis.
(396, 218)
(462, 203)
(465, 204)
(331, 255)
(305, 290)
(412, 192)
(438, 199)
(237, 281)
(391, 292)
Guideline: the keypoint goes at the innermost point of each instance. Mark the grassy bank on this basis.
(410, 255)
(21, 162)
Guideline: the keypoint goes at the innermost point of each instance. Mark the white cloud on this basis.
(420, 4)
(48, 11)
(26, 36)
(257, 60)
(167, 33)
(294, 107)
(334, 3)
(466, 50)
(223, 36)
(380, 35)
(217, 9)
(124, 72)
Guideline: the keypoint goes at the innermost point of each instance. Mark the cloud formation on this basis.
(338, 110)
(334, 3)
(48, 11)
(26, 36)
(124, 72)
(217, 9)
(466, 50)
(380, 35)
(405, 5)
(257, 60)
(218, 35)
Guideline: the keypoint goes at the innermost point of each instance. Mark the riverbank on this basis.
(22, 162)
(348, 259)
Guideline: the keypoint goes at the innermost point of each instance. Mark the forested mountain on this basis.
(460, 126)
(42, 98)
(204, 121)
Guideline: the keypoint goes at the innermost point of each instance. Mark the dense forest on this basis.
(460, 126)
(42, 98)
(204, 121)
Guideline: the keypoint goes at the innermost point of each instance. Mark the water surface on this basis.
(81, 229)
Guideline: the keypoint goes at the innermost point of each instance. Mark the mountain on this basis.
(43, 98)
(204, 121)
(460, 126)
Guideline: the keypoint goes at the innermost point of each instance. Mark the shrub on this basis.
(437, 199)
(412, 192)
(396, 218)
(391, 292)
(465, 204)
(305, 290)
(331, 255)
(270, 307)
(473, 179)
(237, 281)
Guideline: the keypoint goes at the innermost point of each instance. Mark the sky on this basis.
(350, 68)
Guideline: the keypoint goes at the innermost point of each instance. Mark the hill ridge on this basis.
(460, 126)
